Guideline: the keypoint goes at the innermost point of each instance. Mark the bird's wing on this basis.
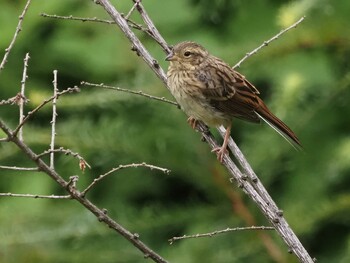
(228, 91)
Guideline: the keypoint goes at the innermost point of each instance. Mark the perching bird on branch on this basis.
(209, 90)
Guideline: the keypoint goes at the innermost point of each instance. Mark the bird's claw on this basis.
(192, 122)
(220, 152)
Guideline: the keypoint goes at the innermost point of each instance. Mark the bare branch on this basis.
(14, 100)
(130, 12)
(155, 33)
(272, 213)
(95, 19)
(120, 167)
(101, 214)
(18, 29)
(66, 152)
(36, 196)
(31, 113)
(217, 232)
(266, 43)
(19, 168)
(23, 99)
(53, 121)
(141, 93)
(137, 45)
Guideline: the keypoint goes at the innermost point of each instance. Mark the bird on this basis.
(209, 90)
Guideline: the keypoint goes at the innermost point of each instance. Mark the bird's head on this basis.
(187, 55)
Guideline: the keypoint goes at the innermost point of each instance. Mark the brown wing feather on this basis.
(228, 91)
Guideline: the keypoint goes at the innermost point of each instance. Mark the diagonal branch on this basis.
(264, 202)
(18, 29)
(100, 213)
(266, 43)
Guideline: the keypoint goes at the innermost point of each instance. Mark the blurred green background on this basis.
(303, 77)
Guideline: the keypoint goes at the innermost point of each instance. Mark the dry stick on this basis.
(18, 29)
(217, 232)
(137, 45)
(31, 113)
(272, 214)
(53, 121)
(134, 165)
(101, 214)
(141, 93)
(95, 19)
(19, 168)
(66, 152)
(147, 20)
(22, 99)
(130, 12)
(36, 196)
(266, 43)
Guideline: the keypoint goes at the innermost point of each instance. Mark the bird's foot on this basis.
(220, 152)
(192, 122)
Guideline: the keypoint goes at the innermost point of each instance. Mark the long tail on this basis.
(280, 127)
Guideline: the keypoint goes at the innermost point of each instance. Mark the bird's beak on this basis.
(170, 56)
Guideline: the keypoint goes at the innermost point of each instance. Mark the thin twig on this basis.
(171, 240)
(53, 121)
(95, 19)
(19, 168)
(18, 29)
(152, 28)
(130, 12)
(31, 113)
(14, 100)
(83, 19)
(120, 167)
(266, 43)
(141, 93)
(23, 99)
(66, 152)
(36, 196)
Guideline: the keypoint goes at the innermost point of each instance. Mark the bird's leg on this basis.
(192, 122)
(221, 151)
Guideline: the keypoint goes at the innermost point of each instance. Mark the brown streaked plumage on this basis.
(209, 90)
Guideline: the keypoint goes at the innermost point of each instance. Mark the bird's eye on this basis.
(187, 54)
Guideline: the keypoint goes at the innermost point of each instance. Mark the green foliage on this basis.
(304, 77)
